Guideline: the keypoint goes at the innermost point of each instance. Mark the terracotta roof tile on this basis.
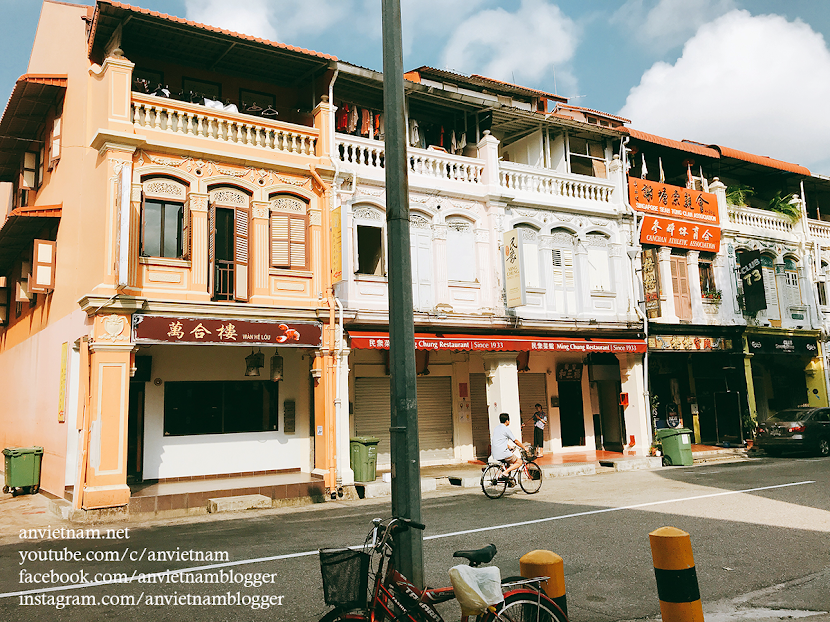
(599, 113)
(675, 144)
(728, 152)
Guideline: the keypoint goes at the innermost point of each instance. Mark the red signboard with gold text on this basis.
(231, 332)
(680, 234)
(673, 201)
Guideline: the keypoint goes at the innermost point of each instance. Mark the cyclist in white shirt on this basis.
(503, 443)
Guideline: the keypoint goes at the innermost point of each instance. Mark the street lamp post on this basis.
(406, 476)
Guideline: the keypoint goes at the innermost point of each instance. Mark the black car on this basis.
(796, 429)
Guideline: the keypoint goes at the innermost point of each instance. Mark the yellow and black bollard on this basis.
(546, 564)
(674, 569)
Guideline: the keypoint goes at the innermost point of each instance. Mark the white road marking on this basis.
(243, 562)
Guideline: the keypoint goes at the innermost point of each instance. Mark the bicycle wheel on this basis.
(338, 615)
(492, 486)
(530, 477)
(526, 606)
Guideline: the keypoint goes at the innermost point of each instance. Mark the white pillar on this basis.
(693, 270)
(488, 150)
(666, 289)
(503, 389)
(462, 414)
(343, 446)
(637, 418)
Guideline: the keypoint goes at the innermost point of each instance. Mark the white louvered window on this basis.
(289, 226)
(599, 272)
(530, 254)
(791, 279)
(773, 311)
(564, 281)
(461, 259)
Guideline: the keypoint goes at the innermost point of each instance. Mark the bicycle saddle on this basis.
(478, 556)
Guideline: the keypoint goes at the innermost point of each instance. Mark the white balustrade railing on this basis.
(186, 119)
(759, 219)
(429, 162)
(523, 178)
(819, 229)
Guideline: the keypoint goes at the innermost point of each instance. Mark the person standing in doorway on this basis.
(540, 420)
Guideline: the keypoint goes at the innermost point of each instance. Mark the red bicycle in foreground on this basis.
(346, 574)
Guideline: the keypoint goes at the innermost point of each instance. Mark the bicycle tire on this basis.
(526, 606)
(338, 615)
(530, 478)
(492, 486)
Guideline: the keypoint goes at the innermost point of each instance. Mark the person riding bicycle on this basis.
(503, 443)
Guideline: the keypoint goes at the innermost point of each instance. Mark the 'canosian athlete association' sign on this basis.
(230, 331)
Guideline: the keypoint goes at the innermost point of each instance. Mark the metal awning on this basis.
(21, 227)
(21, 127)
(145, 34)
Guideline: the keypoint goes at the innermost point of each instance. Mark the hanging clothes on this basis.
(352, 119)
(376, 128)
(341, 118)
(414, 133)
(462, 141)
(365, 123)
(381, 130)
(453, 144)
(441, 137)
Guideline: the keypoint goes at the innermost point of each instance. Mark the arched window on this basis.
(229, 217)
(530, 254)
(165, 230)
(793, 293)
(369, 249)
(420, 240)
(599, 269)
(770, 289)
(289, 226)
(564, 280)
(461, 250)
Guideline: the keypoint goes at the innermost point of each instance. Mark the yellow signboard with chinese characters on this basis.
(336, 246)
(514, 281)
(62, 385)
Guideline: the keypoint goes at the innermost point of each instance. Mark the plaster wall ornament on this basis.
(260, 212)
(482, 235)
(198, 202)
(229, 196)
(315, 217)
(439, 232)
(562, 238)
(528, 234)
(600, 222)
(113, 326)
(289, 204)
(135, 194)
(164, 189)
(566, 217)
(368, 213)
(545, 242)
(616, 250)
(417, 221)
(459, 224)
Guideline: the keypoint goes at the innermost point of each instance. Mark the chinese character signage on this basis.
(673, 201)
(569, 372)
(688, 343)
(680, 234)
(213, 331)
(507, 343)
(514, 281)
(651, 282)
(752, 282)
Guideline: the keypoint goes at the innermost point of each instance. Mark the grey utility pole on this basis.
(406, 472)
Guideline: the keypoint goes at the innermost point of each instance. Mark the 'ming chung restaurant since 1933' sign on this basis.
(677, 217)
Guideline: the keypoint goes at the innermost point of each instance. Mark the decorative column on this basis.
(503, 389)
(750, 383)
(666, 285)
(341, 406)
(103, 473)
(583, 293)
(259, 254)
(462, 413)
(324, 122)
(197, 203)
(488, 150)
(693, 270)
(636, 414)
(718, 188)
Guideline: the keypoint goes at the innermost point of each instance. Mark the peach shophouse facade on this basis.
(184, 238)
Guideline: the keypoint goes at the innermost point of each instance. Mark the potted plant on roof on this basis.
(739, 195)
(787, 205)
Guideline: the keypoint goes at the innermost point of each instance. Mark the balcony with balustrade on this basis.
(197, 128)
(753, 222)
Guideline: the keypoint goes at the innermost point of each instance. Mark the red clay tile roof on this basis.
(173, 18)
(727, 152)
(675, 144)
(479, 79)
(596, 112)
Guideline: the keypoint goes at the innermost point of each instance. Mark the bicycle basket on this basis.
(345, 577)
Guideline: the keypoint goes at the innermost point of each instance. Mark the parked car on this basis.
(796, 429)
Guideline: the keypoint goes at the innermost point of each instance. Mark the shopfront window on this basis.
(192, 408)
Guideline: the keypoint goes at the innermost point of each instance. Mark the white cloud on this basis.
(668, 23)
(249, 17)
(760, 84)
(521, 47)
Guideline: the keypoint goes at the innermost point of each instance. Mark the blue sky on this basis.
(749, 74)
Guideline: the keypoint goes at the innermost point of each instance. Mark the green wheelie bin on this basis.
(677, 446)
(22, 469)
(364, 457)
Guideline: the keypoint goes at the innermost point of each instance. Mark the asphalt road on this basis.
(765, 548)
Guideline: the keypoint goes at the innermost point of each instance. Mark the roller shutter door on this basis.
(435, 426)
(479, 415)
(532, 391)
